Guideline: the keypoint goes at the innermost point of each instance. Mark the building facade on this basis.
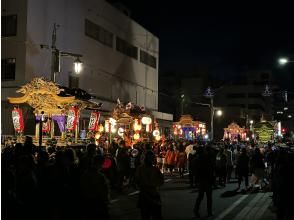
(120, 57)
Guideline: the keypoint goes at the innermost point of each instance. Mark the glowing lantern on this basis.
(137, 125)
(157, 138)
(156, 133)
(120, 132)
(97, 136)
(107, 126)
(101, 128)
(146, 120)
(113, 129)
(136, 136)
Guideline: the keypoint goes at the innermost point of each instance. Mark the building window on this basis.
(147, 59)
(8, 69)
(255, 107)
(126, 48)
(9, 25)
(236, 95)
(254, 95)
(237, 105)
(98, 33)
(73, 81)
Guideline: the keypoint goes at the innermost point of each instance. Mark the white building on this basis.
(120, 57)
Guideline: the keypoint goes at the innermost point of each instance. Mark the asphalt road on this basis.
(178, 201)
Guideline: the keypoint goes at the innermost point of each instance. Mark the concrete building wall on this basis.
(107, 73)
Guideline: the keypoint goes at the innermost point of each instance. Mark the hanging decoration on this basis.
(94, 120)
(17, 119)
(72, 118)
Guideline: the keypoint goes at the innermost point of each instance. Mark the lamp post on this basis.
(182, 103)
(56, 54)
(209, 94)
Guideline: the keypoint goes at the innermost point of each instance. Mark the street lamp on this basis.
(283, 61)
(219, 112)
(78, 65)
(209, 94)
(56, 54)
(182, 103)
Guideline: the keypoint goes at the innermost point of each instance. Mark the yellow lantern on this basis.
(137, 126)
(97, 135)
(136, 136)
(101, 128)
(106, 126)
(157, 138)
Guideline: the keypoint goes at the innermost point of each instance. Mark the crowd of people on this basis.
(76, 182)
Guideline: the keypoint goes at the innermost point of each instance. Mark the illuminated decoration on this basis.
(156, 133)
(112, 121)
(94, 120)
(100, 128)
(107, 126)
(72, 118)
(188, 128)
(158, 138)
(137, 125)
(42, 95)
(149, 128)
(146, 120)
(264, 131)
(17, 119)
(234, 132)
(120, 132)
(97, 135)
(46, 126)
(136, 136)
(113, 129)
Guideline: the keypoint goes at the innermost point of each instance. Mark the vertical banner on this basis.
(72, 118)
(94, 120)
(17, 119)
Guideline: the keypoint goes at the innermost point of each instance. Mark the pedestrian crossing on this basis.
(252, 206)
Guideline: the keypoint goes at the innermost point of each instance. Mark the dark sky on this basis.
(228, 39)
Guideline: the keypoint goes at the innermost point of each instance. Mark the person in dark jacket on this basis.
(149, 178)
(204, 171)
(242, 167)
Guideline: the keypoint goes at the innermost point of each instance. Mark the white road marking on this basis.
(167, 180)
(263, 208)
(186, 174)
(133, 193)
(228, 210)
(114, 200)
(246, 210)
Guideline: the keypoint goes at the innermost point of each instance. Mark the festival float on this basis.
(53, 103)
(188, 129)
(129, 122)
(234, 132)
(264, 131)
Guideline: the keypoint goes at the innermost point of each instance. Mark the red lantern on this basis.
(94, 120)
(72, 118)
(17, 119)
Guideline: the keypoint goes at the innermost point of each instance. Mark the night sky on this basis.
(227, 39)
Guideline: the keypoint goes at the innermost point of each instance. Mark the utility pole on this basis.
(211, 116)
(55, 59)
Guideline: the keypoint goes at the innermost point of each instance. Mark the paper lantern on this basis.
(97, 135)
(107, 126)
(157, 138)
(101, 128)
(120, 132)
(136, 136)
(156, 133)
(146, 120)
